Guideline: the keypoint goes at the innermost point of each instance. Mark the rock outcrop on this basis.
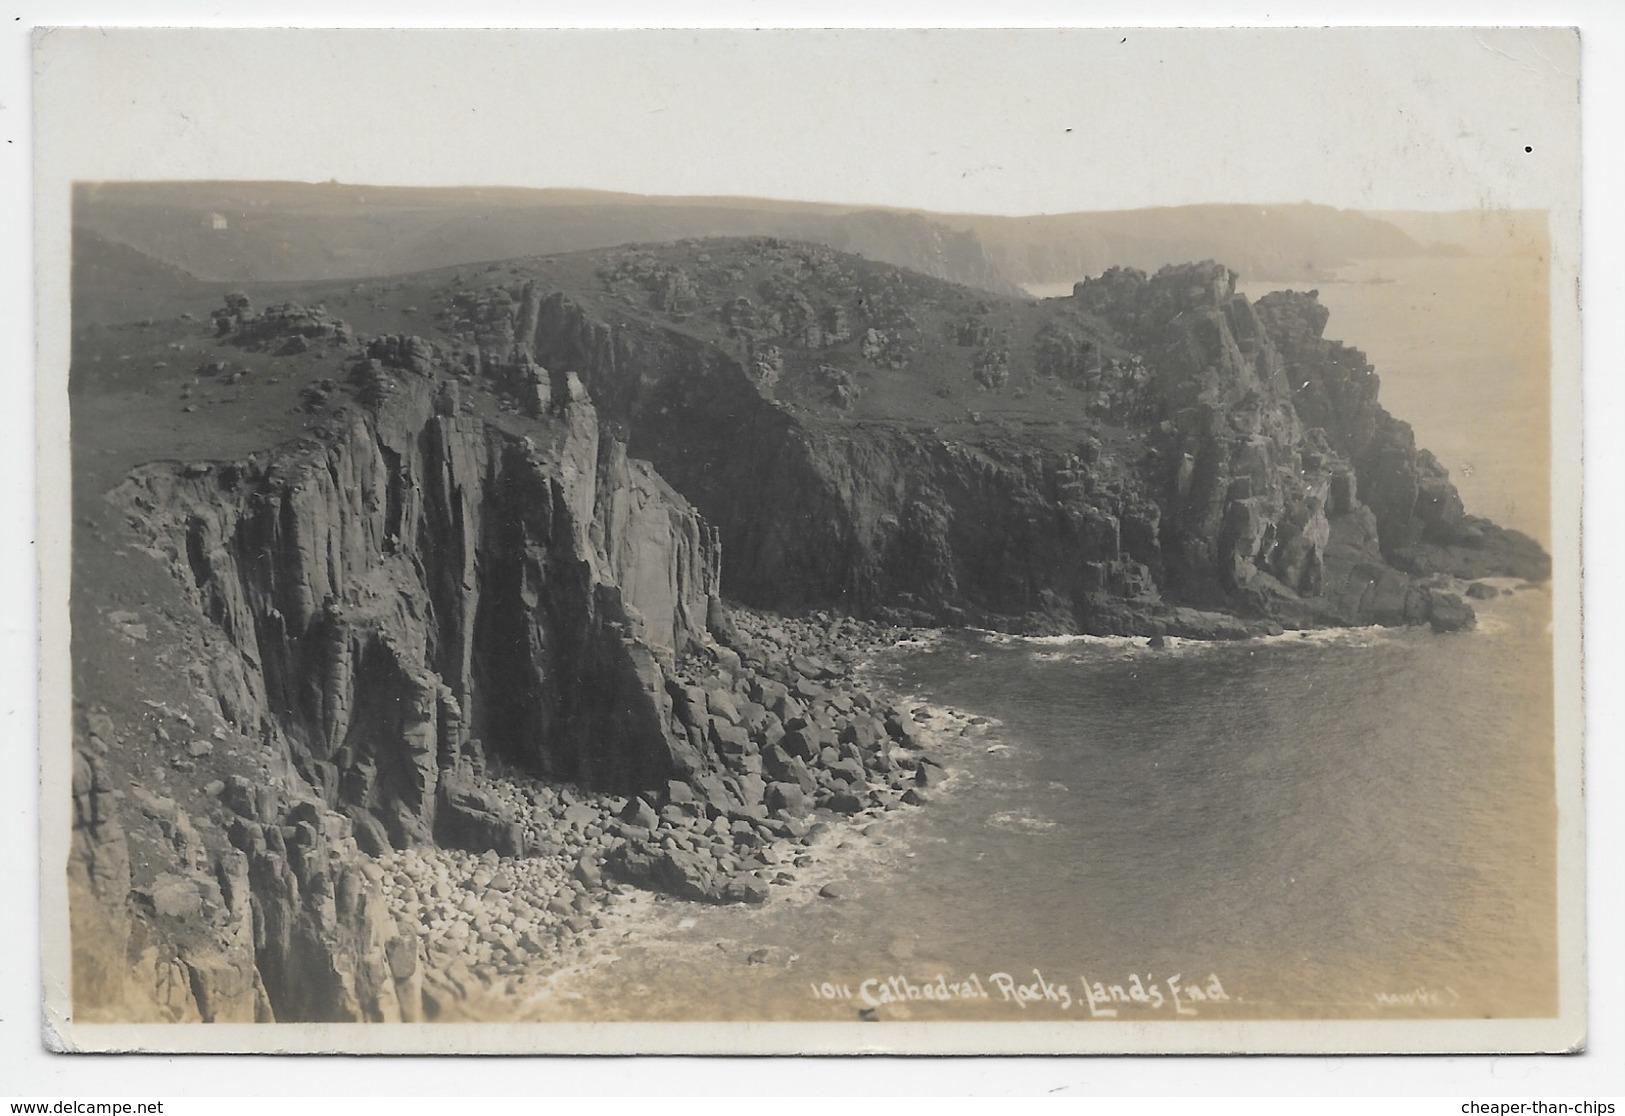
(179, 943)
(1246, 468)
(372, 605)
(1422, 526)
(422, 579)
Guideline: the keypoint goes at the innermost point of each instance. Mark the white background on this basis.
(874, 134)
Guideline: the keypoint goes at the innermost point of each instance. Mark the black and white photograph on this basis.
(958, 541)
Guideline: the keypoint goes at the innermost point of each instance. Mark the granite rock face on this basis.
(425, 579)
(374, 605)
(180, 945)
(1253, 472)
(1422, 526)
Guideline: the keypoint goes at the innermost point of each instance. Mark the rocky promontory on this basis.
(1107, 462)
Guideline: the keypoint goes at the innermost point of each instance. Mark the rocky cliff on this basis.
(1421, 525)
(378, 602)
(1224, 456)
(455, 619)
(372, 713)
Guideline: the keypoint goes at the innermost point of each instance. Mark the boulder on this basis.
(747, 889)
(641, 814)
(768, 692)
(904, 731)
(843, 802)
(730, 739)
(788, 798)
(1447, 612)
(802, 743)
(587, 871)
(720, 703)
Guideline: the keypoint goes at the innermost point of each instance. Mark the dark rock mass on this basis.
(1247, 469)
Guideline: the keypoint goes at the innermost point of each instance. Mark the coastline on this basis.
(742, 743)
(522, 938)
(680, 960)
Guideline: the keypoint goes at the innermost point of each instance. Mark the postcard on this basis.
(934, 541)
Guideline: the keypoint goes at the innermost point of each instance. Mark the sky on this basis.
(956, 120)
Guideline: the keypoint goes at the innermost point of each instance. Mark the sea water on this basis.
(1343, 823)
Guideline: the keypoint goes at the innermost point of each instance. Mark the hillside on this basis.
(246, 232)
(113, 282)
(278, 231)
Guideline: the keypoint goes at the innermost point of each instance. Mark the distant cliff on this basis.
(1278, 242)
